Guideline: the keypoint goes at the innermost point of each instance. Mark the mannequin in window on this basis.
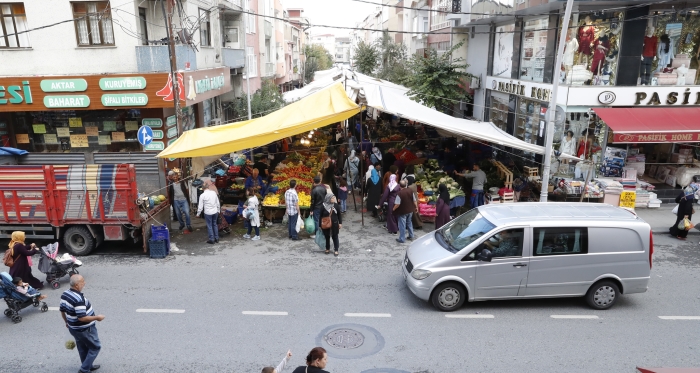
(648, 55)
(569, 52)
(682, 72)
(663, 53)
(584, 145)
(600, 49)
(568, 145)
(586, 35)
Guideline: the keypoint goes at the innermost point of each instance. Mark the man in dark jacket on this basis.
(404, 207)
(179, 194)
(318, 194)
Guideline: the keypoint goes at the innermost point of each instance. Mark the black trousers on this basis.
(329, 233)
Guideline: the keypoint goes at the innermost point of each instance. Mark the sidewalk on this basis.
(661, 218)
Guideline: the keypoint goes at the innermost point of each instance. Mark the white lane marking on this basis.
(679, 317)
(53, 308)
(265, 313)
(573, 316)
(161, 310)
(367, 315)
(468, 316)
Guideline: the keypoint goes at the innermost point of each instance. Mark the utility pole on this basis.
(551, 112)
(168, 18)
(247, 68)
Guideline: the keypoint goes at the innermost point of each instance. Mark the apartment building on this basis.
(327, 41)
(342, 50)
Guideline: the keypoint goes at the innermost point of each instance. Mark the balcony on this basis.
(238, 3)
(269, 69)
(440, 25)
(155, 58)
(233, 58)
(268, 29)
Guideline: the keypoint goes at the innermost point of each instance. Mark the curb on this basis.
(665, 231)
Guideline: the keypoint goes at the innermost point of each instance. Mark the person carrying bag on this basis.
(684, 214)
(331, 222)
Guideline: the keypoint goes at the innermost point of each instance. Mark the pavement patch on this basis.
(350, 341)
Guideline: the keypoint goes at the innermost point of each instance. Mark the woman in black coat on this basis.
(685, 202)
(21, 253)
(373, 192)
(331, 208)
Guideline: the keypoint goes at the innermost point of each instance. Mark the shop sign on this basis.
(63, 85)
(125, 99)
(13, 94)
(22, 138)
(79, 141)
(202, 85)
(627, 199)
(172, 132)
(152, 122)
(66, 102)
(157, 134)
(596, 96)
(526, 89)
(208, 84)
(155, 145)
(656, 137)
(122, 83)
(118, 136)
(39, 128)
(170, 142)
(170, 121)
(50, 138)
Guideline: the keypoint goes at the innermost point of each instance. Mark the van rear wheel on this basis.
(602, 295)
(449, 296)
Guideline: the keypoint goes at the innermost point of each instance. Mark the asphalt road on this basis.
(239, 305)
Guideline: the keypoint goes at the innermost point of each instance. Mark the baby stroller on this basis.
(17, 301)
(55, 267)
(381, 213)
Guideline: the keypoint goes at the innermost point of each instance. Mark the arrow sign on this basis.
(145, 135)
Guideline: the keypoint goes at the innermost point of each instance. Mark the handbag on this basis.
(9, 258)
(218, 219)
(326, 222)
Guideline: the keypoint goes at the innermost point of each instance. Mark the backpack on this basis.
(9, 258)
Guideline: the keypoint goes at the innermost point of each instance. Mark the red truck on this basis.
(84, 205)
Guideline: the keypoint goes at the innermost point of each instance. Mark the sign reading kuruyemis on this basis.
(125, 83)
(126, 99)
(68, 101)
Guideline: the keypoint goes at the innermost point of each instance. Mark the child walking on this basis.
(343, 195)
(281, 365)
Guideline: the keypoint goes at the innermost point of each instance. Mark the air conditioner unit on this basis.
(234, 72)
(475, 82)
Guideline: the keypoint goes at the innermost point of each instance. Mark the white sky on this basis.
(332, 12)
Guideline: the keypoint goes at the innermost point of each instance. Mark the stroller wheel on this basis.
(55, 284)
(73, 272)
(16, 319)
(44, 307)
(8, 312)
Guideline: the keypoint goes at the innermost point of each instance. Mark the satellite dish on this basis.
(559, 115)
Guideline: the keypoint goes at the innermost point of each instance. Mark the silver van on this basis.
(532, 250)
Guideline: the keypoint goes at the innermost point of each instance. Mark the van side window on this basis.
(506, 243)
(560, 241)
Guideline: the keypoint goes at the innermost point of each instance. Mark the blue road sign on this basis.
(145, 135)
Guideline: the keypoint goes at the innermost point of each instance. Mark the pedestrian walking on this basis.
(251, 213)
(209, 205)
(443, 207)
(343, 196)
(22, 254)
(81, 322)
(373, 191)
(331, 222)
(318, 194)
(404, 207)
(685, 202)
(280, 367)
(316, 362)
(180, 195)
(291, 199)
(389, 196)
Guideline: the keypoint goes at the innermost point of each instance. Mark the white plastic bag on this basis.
(675, 210)
(285, 218)
(298, 223)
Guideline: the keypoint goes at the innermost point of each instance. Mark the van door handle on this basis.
(519, 265)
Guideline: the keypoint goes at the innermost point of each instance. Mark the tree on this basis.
(393, 59)
(264, 101)
(317, 58)
(366, 58)
(436, 80)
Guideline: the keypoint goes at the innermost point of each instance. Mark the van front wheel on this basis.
(449, 296)
(602, 295)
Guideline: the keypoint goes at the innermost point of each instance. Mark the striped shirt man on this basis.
(75, 305)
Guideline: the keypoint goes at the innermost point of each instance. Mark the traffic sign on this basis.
(145, 135)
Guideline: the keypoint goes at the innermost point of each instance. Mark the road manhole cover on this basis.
(345, 338)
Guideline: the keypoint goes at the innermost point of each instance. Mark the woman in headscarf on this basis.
(442, 209)
(376, 155)
(21, 253)
(685, 202)
(331, 209)
(368, 174)
(351, 168)
(389, 196)
(373, 191)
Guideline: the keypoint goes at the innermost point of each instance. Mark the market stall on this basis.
(428, 178)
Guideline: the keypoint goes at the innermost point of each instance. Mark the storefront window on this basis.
(499, 110)
(671, 50)
(534, 50)
(592, 48)
(78, 131)
(529, 120)
(503, 51)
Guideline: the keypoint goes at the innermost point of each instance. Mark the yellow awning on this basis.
(327, 106)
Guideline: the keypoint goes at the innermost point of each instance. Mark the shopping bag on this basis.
(298, 228)
(675, 210)
(285, 218)
(687, 225)
(310, 225)
(320, 240)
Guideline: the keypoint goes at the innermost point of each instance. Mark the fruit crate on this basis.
(160, 232)
(158, 249)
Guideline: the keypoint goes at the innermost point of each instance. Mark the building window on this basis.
(144, 26)
(12, 21)
(93, 23)
(439, 15)
(250, 21)
(534, 50)
(204, 27)
(252, 65)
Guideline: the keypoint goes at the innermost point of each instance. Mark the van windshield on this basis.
(465, 229)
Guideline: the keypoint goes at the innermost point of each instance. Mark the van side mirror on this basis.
(484, 256)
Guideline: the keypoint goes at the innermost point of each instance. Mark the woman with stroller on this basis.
(21, 254)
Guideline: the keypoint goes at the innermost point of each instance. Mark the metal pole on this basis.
(588, 178)
(247, 68)
(167, 17)
(362, 184)
(551, 112)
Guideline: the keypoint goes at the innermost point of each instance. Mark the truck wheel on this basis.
(79, 241)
